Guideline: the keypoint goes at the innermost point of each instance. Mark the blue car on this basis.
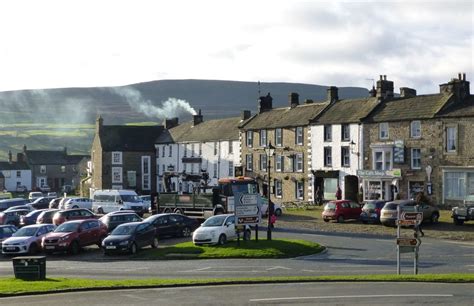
(6, 231)
(371, 211)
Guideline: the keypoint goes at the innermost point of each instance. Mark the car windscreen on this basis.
(124, 230)
(67, 228)
(244, 188)
(330, 206)
(369, 205)
(130, 198)
(390, 206)
(33, 213)
(26, 232)
(214, 221)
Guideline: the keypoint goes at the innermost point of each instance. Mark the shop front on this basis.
(379, 184)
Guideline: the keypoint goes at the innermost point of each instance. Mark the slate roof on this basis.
(464, 109)
(211, 130)
(285, 116)
(419, 107)
(129, 138)
(347, 111)
(14, 165)
(46, 157)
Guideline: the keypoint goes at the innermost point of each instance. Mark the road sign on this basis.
(248, 220)
(247, 210)
(407, 222)
(417, 216)
(408, 242)
(248, 199)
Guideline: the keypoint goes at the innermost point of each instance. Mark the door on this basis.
(229, 227)
(85, 235)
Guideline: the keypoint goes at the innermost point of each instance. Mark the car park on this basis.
(12, 216)
(78, 203)
(218, 230)
(389, 213)
(114, 219)
(130, 237)
(46, 216)
(71, 236)
(6, 231)
(7, 203)
(371, 211)
(72, 214)
(31, 217)
(27, 240)
(34, 195)
(341, 210)
(276, 208)
(173, 224)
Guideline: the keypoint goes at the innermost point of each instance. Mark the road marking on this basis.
(317, 235)
(348, 297)
(278, 267)
(468, 244)
(135, 297)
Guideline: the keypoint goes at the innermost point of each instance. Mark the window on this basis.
(278, 137)
(327, 133)
(278, 188)
(185, 154)
(263, 138)
(163, 151)
(249, 139)
(43, 169)
(291, 163)
(279, 163)
(170, 151)
(382, 159)
(231, 147)
(116, 174)
(249, 162)
(451, 139)
(116, 158)
(215, 170)
(158, 151)
(383, 130)
(299, 190)
(299, 162)
(163, 169)
(63, 169)
(416, 158)
(459, 185)
(192, 150)
(18, 174)
(146, 172)
(378, 161)
(299, 136)
(415, 129)
(345, 132)
(215, 148)
(200, 149)
(231, 168)
(327, 156)
(263, 161)
(345, 157)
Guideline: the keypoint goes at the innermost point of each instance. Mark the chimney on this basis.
(372, 92)
(171, 123)
(197, 118)
(406, 92)
(65, 150)
(293, 98)
(332, 94)
(459, 87)
(24, 148)
(99, 122)
(10, 160)
(245, 114)
(265, 103)
(308, 101)
(384, 88)
(19, 157)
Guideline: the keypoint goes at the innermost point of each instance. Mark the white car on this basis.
(27, 240)
(218, 230)
(146, 202)
(264, 208)
(78, 203)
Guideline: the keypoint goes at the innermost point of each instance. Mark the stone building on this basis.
(14, 173)
(123, 157)
(287, 130)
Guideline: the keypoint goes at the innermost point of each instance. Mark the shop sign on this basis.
(380, 173)
(399, 152)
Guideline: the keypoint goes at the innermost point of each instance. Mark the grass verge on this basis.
(277, 248)
(11, 286)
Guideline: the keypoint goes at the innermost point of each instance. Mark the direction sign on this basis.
(408, 242)
(418, 216)
(247, 210)
(248, 220)
(248, 199)
(407, 222)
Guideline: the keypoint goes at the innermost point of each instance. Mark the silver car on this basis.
(388, 214)
(26, 240)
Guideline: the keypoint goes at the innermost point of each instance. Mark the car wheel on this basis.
(154, 244)
(326, 220)
(218, 212)
(247, 235)
(365, 222)
(186, 232)
(178, 211)
(167, 210)
(222, 239)
(340, 219)
(75, 206)
(278, 212)
(100, 210)
(457, 221)
(434, 218)
(133, 248)
(74, 248)
(33, 249)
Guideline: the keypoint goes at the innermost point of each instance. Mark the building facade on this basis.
(15, 173)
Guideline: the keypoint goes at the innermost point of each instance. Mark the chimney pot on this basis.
(246, 114)
(265, 103)
(293, 99)
(171, 123)
(197, 118)
(332, 94)
(459, 76)
(464, 76)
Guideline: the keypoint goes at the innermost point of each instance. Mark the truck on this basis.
(206, 201)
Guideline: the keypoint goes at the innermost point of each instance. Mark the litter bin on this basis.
(30, 267)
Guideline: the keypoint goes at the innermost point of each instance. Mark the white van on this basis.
(105, 201)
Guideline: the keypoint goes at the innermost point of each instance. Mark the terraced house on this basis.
(286, 131)
(421, 144)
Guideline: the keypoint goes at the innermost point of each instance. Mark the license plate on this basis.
(461, 217)
(10, 248)
(49, 247)
(110, 247)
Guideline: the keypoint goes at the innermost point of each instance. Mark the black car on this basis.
(114, 219)
(371, 211)
(12, 216)
(6, 231)
(173, 224)
(41, 203)
(46, 216)
(130, 237)
(31, 217)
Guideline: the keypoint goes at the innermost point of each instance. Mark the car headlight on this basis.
(123, 243)
(64, 238)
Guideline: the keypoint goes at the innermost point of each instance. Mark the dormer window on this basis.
(383, 130)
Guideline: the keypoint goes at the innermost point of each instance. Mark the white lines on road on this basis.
(278, 267)
(315, 235)
(347, 297)
(135, 297)
(462, 243)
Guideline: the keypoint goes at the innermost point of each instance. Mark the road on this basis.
(347, 254)
(332, 293)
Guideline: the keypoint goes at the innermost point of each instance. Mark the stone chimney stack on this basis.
(65, 150)
(406, 92)
(332, 94)
(19, 157)
(308, 101)
(246, 114)
(10, 159)
(171, 123)
(459, 87)
(99, 122)
(197, 118)
(265, 103)
(384, 88)
(293, 99)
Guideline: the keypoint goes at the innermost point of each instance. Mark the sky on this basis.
(55, 44)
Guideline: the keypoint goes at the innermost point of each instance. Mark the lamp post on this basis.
(269, 150)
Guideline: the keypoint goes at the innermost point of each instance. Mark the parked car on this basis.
(12, 216)
(276, 208)
(218, 230)
(78, 203)
(130, 237)
(72, 214)
(146, 199)
(388, 214)
(46, 216)
(6, 231)
(462, 213)
(71, 236)
(114, 219)
(54, 203)
(21, 189)
(341, 210)
(34, 195)
(30, 218)
(371, 211)
(7, 203)
(27, 240)
(44, 188)
(41, 202)
(52, 194)
(173, 225)
(62, 203)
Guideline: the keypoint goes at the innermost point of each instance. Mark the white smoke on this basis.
(173, 107)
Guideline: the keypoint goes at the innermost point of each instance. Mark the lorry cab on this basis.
(105, 201)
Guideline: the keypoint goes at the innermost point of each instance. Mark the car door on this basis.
(84, 234)
(355, 210)
(165, 226)
(229, 227)
(174, 224)
(94, 230)
(141, 235)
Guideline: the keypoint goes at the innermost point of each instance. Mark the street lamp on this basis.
(269, 150)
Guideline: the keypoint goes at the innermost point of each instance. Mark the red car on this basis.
(72, 214)
(71, 236)
(341, 210)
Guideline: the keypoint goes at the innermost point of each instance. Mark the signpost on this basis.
(247, 209)
(405, 244)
